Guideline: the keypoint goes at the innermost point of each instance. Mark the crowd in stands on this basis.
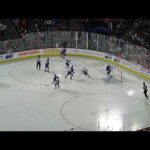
(135, 31)
(3, 31)
(25, 26)
(134, 54)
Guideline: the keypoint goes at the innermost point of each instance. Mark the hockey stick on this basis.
(48, 84)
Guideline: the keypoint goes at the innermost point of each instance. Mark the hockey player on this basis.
(108, 69)
(55, 77)
(67, 62)
(63, 53)
(56, 81)
(145, 90)
(85, 72)
(38, 64)
(70, 72)
(47, 65)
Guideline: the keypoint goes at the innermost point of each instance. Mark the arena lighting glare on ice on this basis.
(111, 121)
(130, 92)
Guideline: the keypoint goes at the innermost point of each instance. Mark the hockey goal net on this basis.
(117, 73)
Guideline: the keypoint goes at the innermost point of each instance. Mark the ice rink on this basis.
(96, 104)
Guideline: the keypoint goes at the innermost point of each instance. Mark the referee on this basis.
(38, 64)
(145, 90)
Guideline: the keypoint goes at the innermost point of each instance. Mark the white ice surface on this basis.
(83, 104)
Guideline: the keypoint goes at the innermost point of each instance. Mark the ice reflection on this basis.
(111, 121)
